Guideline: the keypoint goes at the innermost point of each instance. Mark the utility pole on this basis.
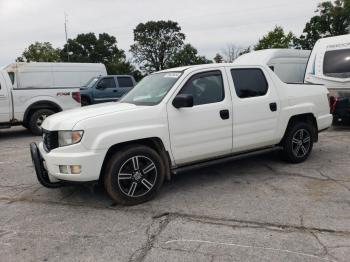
(65, 30)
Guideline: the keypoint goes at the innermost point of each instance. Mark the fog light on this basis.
(75, 169)
(63, 169)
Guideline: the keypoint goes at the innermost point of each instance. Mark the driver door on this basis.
(106, 90)
(205, 130)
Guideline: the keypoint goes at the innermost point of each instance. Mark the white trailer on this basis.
(329, 65)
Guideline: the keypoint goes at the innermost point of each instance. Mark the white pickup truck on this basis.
(31, 105)
(176, 120)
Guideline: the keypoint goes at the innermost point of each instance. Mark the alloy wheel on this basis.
(137, 176)
(301, 143)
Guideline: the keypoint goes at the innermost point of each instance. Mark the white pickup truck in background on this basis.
(179, 119)
(29, 92)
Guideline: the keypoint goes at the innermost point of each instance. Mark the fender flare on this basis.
(41, 105)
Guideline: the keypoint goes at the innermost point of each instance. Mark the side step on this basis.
(226, 159)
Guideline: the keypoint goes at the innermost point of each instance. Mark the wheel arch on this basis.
(304, 118)
(153, 142)
(44, 104)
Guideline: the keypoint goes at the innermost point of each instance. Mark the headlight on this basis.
(66, 138)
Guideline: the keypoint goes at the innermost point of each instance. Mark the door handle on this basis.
(273, 107)
(225, 114)
(115, 91)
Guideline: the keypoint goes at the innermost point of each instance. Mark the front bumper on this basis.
(90, 162)
(40, 170)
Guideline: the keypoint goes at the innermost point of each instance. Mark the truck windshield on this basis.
(91, 82)
(152, 89)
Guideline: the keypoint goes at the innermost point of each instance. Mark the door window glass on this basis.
(125, 82)
(107, 83)
(205, 88)
(250, 82)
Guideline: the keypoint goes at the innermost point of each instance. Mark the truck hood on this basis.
(66, 120)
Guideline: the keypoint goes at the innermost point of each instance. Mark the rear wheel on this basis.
(36, 120)
(298, 142)
(134, 175)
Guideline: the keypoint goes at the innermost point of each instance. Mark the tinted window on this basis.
(337, 63)
(125, 82)
(107, 83)
(205, 88)
(249, 82)
(12, 77)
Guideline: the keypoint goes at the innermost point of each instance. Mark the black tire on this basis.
(128, 184)
(85, 101)
(36, 120)
(298, 142)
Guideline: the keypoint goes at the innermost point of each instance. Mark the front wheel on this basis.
(298, 142)
(134, 175)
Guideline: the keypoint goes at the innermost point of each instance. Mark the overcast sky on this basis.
(209, 25)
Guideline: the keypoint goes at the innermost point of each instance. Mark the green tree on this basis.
(187, 55)
(40, 52)
(276, 38)
(218, 58)
(332, 19)
(155, 43)
(87, 48)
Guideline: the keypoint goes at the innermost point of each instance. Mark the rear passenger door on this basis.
(205, 130)
(125, 83)
(255, 108)
(106, 90)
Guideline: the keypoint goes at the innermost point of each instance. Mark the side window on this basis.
(206, 88)
(125, 81)
(12, 77)
(336, 63)
(249, 82)
(107, 83)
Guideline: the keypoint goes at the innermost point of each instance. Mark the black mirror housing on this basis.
(183, 100)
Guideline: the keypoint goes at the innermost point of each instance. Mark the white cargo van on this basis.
(288, 64)
(329, 65)
(53, 75)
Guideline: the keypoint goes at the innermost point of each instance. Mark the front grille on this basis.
(50, 139)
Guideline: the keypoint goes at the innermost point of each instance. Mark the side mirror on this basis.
(183, 100)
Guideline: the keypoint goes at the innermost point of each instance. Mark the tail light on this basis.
(76, 96)
(333, 103)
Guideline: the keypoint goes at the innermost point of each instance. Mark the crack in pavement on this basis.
(243, 246)
(325, 249)
(203, 218)
(158, 224)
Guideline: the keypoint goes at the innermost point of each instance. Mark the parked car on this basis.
(288, 64)
(329, 65)
(179, 119)
(106, 89)
(53, 75)
(29, 106)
